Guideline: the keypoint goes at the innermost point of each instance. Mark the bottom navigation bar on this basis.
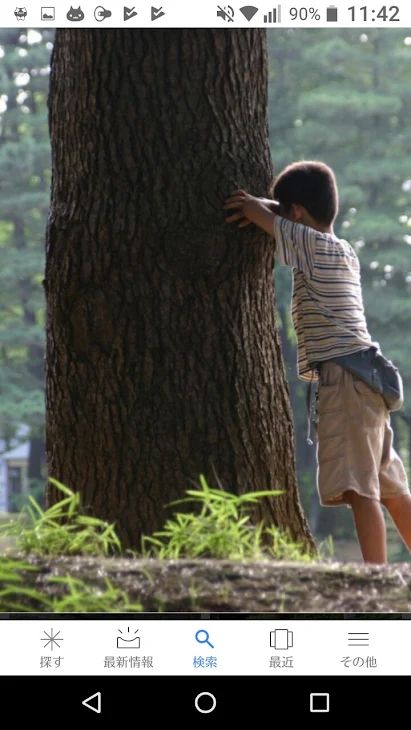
(164, 699)
(204, 648)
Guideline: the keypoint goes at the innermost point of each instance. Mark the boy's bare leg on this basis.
(399, 509)
(370, 526)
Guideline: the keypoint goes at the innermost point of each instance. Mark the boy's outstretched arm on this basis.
(260, 211)
(295, 243)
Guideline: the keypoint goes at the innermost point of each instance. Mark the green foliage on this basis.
(24, 200)
(326, 549)
(82, 598)
(61, 530)
(13, 590)
(222, 529)
(78, 597)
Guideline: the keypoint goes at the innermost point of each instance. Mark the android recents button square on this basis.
(319, 702)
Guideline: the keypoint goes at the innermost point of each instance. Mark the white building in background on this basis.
(14, 481)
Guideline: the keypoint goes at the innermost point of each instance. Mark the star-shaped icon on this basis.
(52, 639)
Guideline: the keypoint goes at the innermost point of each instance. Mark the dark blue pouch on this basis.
(378, 373)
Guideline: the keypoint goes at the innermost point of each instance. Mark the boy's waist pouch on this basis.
(378, 373)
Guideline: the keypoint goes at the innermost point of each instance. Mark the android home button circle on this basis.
(205, 709)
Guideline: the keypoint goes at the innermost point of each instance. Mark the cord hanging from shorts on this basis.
(309, 405)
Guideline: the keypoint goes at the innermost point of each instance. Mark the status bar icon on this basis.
(226, 13)
(332, 14)
(48, 13)
(248, 11)
(274, 16)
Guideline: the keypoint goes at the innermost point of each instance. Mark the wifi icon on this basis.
(248, 11)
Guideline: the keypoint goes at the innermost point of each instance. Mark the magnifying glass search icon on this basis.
(203, 637)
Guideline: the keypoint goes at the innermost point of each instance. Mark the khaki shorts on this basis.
(355, 450)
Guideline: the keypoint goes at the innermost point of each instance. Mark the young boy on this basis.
(357, 464)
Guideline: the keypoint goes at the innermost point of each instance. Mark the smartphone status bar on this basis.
(184, 14)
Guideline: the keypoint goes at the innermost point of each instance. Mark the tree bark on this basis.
(163, 357)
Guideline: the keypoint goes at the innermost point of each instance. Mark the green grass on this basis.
(78, 597)
(61, 530)
(220, 528)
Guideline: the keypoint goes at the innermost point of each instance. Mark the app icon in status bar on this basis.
(129, 13)
(101, 13)
(157, 13)
(20, 13)
(48, 13)
(75, 15)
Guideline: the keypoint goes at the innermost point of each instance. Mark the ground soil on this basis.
(226, 586)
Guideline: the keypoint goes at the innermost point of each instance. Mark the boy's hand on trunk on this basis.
(239, 200)
(249, 207)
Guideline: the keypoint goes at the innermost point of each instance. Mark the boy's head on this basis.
(307, 193)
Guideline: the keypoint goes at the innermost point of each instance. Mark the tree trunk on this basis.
(163, 358)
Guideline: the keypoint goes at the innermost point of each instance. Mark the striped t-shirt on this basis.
(327, 306)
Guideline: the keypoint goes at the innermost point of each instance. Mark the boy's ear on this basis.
(297, 212)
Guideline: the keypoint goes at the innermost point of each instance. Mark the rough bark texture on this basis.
(163, 357)
(211, 585)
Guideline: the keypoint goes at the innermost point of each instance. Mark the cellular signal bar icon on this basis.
(274, 16)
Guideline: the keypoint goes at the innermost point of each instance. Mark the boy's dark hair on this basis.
(312, 185)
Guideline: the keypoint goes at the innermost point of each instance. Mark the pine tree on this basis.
(24, 201)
